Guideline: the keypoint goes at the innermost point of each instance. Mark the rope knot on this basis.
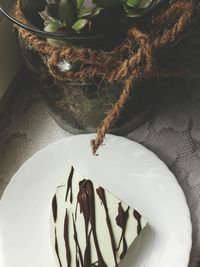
(130, 61)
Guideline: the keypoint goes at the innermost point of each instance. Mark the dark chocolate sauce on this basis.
(87, 253)
(121, 220)
(87, 207)
(101, 194)
(69, 185)
(138, 217)
(83, 200)
(66, 238)
(56, 249)
(79, 256)
(54, 208)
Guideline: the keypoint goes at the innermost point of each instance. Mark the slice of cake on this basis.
(90, 226)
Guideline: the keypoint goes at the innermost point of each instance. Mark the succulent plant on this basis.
(85, 17)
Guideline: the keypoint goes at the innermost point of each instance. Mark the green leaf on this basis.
(138, 10)
(80, 24)
(89, 12)
(97, 11)
(85, 12)
(52, 26)
(140, 4)
(133, 3)
(67, 12)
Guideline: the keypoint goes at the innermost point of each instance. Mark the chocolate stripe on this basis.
(87, 207)
(87, 254)
(101, 194)
(54, 208)
(69, 185)
(66, 238)
(138, 217)
(121, 220)
(78, 248)
(56, 249)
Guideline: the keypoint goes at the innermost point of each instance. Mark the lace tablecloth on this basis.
(172, 131)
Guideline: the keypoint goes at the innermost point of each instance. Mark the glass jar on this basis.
(76, 106)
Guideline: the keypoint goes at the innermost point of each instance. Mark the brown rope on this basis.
(121, 63)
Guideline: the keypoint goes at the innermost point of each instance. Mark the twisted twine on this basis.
(121, 63)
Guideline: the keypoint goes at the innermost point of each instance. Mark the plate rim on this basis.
(68, 140)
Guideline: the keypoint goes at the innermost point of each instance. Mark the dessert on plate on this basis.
(90, 226)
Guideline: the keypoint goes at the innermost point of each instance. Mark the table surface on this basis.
(172, 131)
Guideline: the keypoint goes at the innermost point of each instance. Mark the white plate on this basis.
(126, 169)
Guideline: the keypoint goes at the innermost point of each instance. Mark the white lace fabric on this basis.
(173, 133)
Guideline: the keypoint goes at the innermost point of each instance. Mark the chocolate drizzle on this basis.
(87, 207)
(69, 185)
(56, 249)
(79, 256)
(87, 254)
(101, 194)
(121, 220)
(54, 208)
(138, 217)
(55, 214)
(79, 252)
(84, 202)
(66, 238)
